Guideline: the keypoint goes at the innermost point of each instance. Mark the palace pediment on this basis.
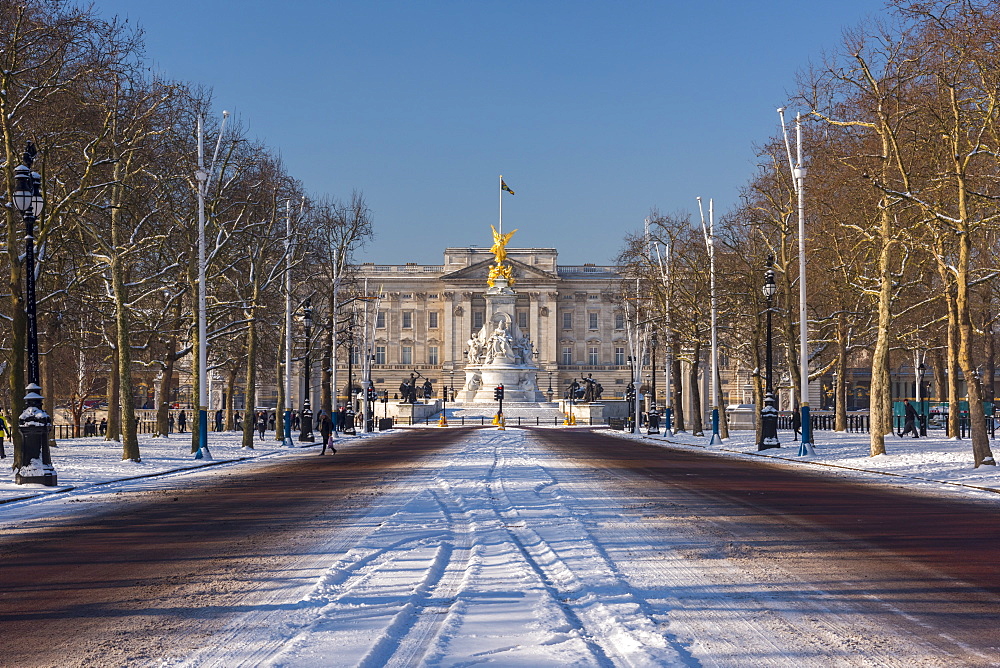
(481, 270)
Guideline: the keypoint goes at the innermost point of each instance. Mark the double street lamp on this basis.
(35, 461)
(769, 413)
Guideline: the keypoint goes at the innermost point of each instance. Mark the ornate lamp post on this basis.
(769, 413)
(306, 417)
(35, 461)
(549, 391)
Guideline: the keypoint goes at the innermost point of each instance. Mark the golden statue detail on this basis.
(499, 251)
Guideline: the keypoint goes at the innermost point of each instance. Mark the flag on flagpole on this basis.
(504, 186)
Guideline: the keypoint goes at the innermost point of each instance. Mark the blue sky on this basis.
(594, 112)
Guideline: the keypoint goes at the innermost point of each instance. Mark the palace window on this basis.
(567, 320)
(567, 355)
(522, 319)
(432, 320)
(407, 319)
(380, 320)
(592, 356)
(477, 320)
(620, 356)
(379, 354)
(432, 354)
(592, 317)
(619, 321)
(406, 355)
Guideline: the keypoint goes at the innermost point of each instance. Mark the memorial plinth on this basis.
(500, 353)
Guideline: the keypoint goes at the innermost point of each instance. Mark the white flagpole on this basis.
(501, 203)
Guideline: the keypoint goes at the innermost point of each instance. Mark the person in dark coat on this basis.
(325, 428)
(170, 423)
(3, 432)
(104, 426)
(218, 420)
(796, 423)
(182, 422)
(909, 419)
(261, 424)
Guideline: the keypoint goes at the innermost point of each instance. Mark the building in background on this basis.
(429, 312)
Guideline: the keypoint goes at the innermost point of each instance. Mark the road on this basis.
(696, 560)
(158, 569)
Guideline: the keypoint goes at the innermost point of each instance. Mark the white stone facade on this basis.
(429, 313)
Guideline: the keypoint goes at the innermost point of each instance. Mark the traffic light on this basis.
(372, 394)
(498, 393)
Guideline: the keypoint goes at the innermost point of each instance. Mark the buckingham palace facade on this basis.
(428, 313)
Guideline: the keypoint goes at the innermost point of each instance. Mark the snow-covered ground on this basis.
(495, 552)
(931, 462)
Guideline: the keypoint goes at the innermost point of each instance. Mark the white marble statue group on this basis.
(500, 342)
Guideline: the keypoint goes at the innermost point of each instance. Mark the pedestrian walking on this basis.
(325, 429)
(261, 424)
(218, 420)
(4, 431)
(182, 422)
(270, 421)
(797, 424)
(104, 426)
(239, 421)
(909, 419)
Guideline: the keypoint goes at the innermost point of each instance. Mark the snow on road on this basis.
(496, 553)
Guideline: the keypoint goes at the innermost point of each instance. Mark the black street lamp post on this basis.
(306, 418)
(769, 413)
(35, 461)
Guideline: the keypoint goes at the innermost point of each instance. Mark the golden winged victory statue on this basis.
(500, 256)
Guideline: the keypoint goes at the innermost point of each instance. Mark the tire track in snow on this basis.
(715, 576)
(617, 625)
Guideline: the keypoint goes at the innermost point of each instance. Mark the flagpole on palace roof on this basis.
(500, 191)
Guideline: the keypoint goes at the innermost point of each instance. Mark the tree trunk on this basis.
(840, 388)
(981, 452)
(757, 386)
(251, 372)
(18, 342)
(114, 400)
(940, 384)
(231, 375)
(195, 422)
(166, 385)
(326, 378)
(279, 411)
(49, 390)
(676, 372)
(954, 397)
(697, 428)
(723, 419)
(881, 389)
